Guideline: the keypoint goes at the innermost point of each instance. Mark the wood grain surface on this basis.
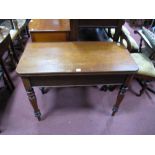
(75, 58)
(36, 25)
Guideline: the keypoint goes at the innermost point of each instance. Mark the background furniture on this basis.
(14, 31)
(47, 30)
(6, 45)
(145, 59)
(138, 23)
(21, 25)
(77, 24)
(74, 64)
(129, 42)
(17, 29)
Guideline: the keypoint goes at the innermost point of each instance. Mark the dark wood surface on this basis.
(75, 58)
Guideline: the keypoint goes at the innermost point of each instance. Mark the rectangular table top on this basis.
(46, 25)
(75, 58)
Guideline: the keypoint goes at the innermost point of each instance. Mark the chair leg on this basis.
(143, 85)
(19, 38)
(21, 42)
(12, 49)
(14, 59)
(11, 85)
(43, 90)
(7, 84)
(104, 88)
(27, 31)
(110, 88)
(151, 90)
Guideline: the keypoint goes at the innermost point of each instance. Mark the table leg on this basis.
(121, 94)
(32, 97)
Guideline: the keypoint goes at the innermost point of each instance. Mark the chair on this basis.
(6, 40)
(145, 59)
(77, 24)
(3, 77)
(6, 45)
(21, 25)
(14, 33)
(133, 45)
(16, 27)
(106, 30)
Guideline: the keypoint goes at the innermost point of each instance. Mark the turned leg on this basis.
(32, 97)
(121, 95)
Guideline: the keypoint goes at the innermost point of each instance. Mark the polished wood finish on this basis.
(49, 30)
(49, 36)
(49, 25)
(75, 57)
(75, 63)
(76, 24)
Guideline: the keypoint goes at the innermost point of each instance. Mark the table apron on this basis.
(75, 80)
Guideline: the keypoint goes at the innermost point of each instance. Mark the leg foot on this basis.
(38, 115)
(114, 110)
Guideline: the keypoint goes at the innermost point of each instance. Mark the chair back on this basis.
(76, 24)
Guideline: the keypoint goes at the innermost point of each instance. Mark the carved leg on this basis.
(121, 95)
(32, 97)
